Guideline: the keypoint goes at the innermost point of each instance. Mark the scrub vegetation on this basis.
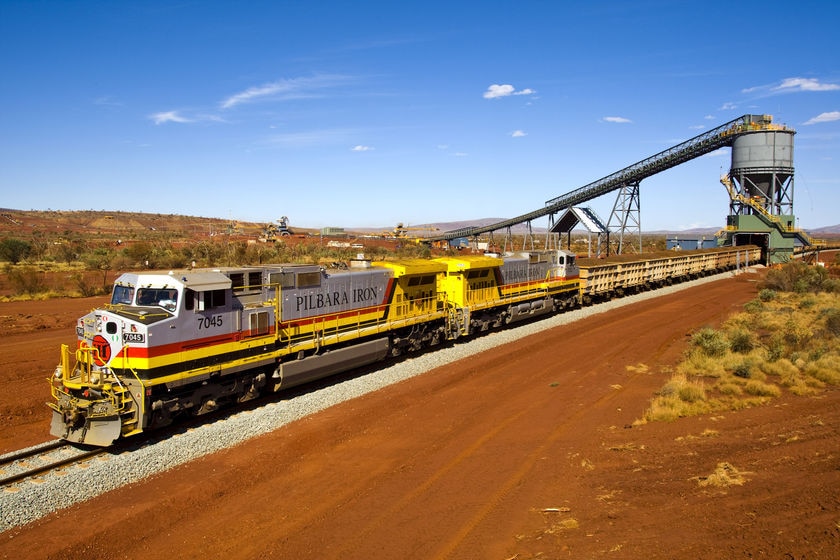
(81, 270)
(787, 339)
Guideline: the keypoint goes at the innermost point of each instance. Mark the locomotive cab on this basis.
(101, 391)
(566, 263)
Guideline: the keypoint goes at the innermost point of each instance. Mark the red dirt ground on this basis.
(525, 451)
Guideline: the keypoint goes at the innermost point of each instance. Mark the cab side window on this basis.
(210, 299)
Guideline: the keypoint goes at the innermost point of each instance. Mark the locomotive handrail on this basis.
(124, 358)
(323, 327)
(84, 364)
(84, 367)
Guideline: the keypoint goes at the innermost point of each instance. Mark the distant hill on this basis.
(828, 230)
(12, 220)
(440, 227)
(429, 230)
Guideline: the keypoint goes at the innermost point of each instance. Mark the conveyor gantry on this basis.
(701, 144)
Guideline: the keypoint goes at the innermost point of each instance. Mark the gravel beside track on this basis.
(31, 500)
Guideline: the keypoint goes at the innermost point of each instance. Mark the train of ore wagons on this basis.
(186, 342)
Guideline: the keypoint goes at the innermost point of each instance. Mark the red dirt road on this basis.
(525, 451)
(31, 335)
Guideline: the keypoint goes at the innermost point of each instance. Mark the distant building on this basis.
(690, 244)
(333, 232)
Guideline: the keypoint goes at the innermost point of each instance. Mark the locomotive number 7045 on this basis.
(207, 322)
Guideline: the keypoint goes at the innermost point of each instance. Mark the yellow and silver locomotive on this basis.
(187, 342)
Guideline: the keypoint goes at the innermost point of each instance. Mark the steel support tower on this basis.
(626, 216)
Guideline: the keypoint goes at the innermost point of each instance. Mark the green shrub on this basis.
(832, 321)
(14, 250)
(755, 306)
(27, 280)
(797, 333)
(775, 347)
(767, 294)
(710, 342)
(741, 341)
(798, 277)
(807, 302)
(742, 371)
(831, 285)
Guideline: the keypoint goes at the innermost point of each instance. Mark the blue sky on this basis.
(372, 113)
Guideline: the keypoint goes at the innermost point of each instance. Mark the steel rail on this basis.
(33, 472)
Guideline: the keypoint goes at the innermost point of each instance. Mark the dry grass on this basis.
(626, 447)
(724, 475)
(781, 342)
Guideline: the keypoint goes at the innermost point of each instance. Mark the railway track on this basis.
(39, 460)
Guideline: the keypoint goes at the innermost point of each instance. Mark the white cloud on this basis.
(107, 100)
(518, 134)
(792, 85)
(340, 137)
(361, 148)
(728, 106)
(296, 88)
(169, 116)
(176, 116)
(804, 84)
(495, 91)
(824, 117)
(253, 93)
(616, 120)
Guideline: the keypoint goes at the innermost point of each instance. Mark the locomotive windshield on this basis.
(123, 295)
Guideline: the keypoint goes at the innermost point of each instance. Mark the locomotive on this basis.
(189, 341)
